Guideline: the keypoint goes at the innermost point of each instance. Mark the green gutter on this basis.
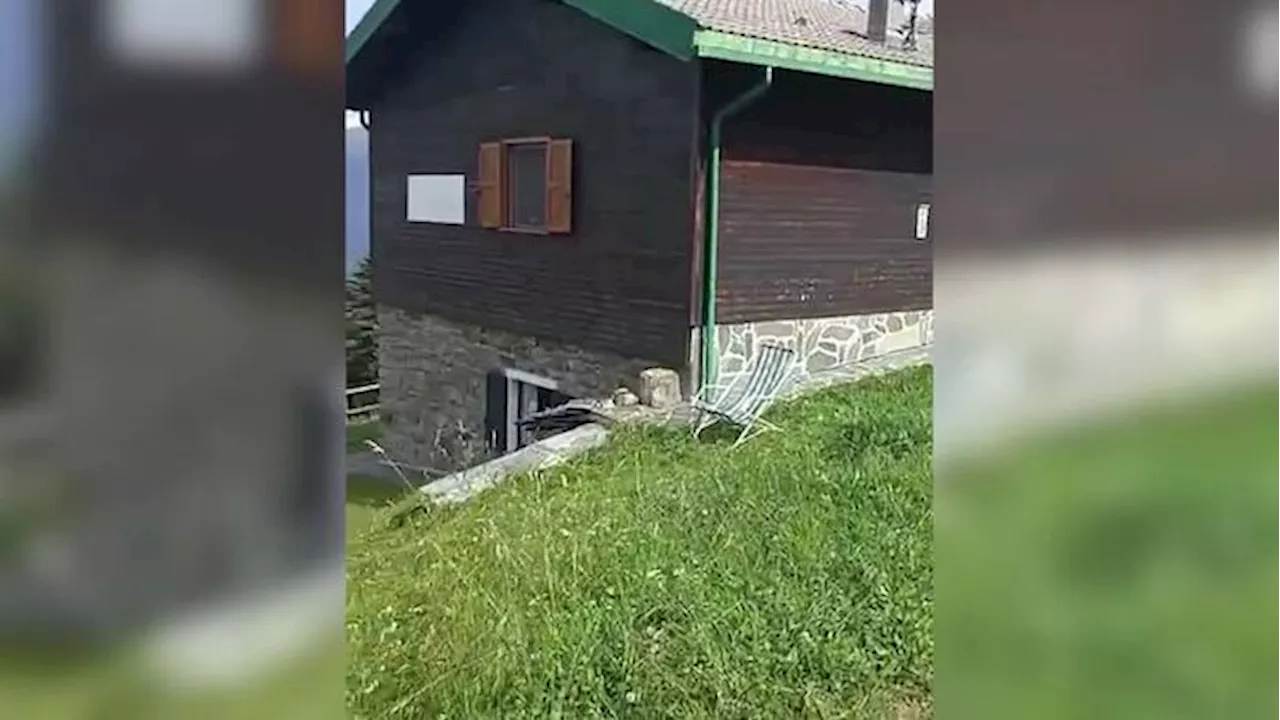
(771, 53)
(711, 223)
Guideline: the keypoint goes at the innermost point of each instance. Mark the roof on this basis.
(826, 37)
(823, 24)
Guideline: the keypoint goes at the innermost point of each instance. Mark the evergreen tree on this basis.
(362, 327)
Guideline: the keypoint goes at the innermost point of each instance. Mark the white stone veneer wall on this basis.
(833, 348)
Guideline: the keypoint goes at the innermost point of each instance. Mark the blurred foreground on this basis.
(170, 359)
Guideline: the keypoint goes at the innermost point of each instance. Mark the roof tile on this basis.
(824, 24)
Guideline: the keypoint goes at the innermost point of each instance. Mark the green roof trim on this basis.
(679, 35)
(758, 51)
(368, 25)
(649, 22)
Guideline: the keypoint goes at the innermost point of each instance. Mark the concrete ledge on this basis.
(463, 486)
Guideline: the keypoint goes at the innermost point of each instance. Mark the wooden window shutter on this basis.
(560, 186)
(491, 202)
(307, 36)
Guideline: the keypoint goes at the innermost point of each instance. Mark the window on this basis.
(512, 396)
(525, 185)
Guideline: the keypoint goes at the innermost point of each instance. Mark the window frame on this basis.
(518, 380)
(492, 185)
(509, 195)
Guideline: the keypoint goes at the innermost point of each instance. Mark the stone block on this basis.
(660, 388)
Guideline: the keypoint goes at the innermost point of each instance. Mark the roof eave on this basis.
(681, 37)
(760, 51)
(650, 22)
(368, 26)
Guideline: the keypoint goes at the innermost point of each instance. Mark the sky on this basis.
(355, 10)
(18, 55)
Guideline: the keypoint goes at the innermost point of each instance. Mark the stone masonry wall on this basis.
(432, 373)
(829, 348)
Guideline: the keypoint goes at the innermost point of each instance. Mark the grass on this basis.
(366, 496)
(358, 433)
(55, 682)
(667, 577)
(1124, 569)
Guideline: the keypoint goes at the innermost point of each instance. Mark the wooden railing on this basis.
(357, 412)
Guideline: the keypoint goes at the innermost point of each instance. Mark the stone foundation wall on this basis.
(830, 349)
(432, 373)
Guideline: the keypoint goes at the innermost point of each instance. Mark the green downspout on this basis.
(711, 224)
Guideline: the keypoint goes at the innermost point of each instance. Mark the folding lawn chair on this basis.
(744, 399)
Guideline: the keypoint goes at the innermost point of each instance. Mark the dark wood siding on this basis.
(820, 187)
(518, 68)
(1137, 126)
(799, 241)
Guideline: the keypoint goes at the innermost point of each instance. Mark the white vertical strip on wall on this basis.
(922, 221)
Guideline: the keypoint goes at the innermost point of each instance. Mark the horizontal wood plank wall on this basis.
(619, 281)
(801, 241)
(1151, 132)
(821, 183)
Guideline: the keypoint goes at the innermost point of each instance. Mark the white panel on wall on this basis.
(213, 34)
(1259, 51)
(437, 199)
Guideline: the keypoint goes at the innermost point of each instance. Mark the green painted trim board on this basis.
(650, 22)
(368, 25)
(770, 53)
(678, 35)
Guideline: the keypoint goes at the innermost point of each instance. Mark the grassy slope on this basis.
(663, 577)
(358, 433)
(1124, 569)
(366, 496)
